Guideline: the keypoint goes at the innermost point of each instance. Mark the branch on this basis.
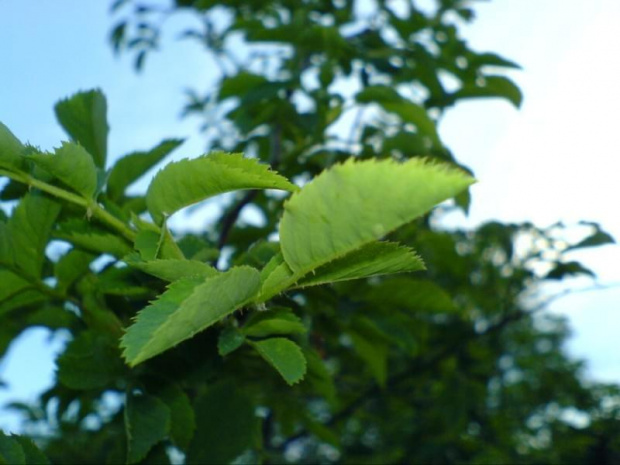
(398, 378)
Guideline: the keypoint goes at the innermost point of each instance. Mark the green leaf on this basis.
(72, 266)
(84, 117)
(171, 270)
(275, 277)
(189, 306)
(91, 361)
(10, 150)
(89, 237)
(11, 452)
(492, 86)
(147, 421)
(11, 284)
(275, 322)
(27, 233)
(186, 182)
(147, 243)
(373, 259)
(230, 340)
(562, 270)
(183, 419)
(356, 203)
(226, 425)
(285, 356)
(410, 293)
(72, 165)
(372, 347)
(131, 167)
(597, 238)
(33, 455)
(240, 84)
(408, 111)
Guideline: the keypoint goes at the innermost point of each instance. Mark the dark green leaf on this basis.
(285, 356)
(91, 361)
(230, 340)
(225, 425)
(147, 421)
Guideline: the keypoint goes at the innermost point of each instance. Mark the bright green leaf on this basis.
(131, 167)
(285, 356)
(186, 182)
(147, 421)
(373, 259)
(72, 165)
(84, 117)
(356, 203)
(171, 270)
(275, 277)
(186, 308)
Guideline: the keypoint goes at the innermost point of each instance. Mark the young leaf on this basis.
(147, 421)
(189, 306)
(275, 277)
(285, 356)
(275, 322)
(356, 203)
(226, 425)
(84, 117)
(131, 167)
(10, 150)
(72, 165)
(373, 259)
(186, 182)
(171, 270)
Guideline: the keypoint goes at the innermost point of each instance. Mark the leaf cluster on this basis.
(343, 325)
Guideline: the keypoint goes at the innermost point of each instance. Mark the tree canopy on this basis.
(344, 325)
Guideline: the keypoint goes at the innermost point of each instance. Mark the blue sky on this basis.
(555, 159)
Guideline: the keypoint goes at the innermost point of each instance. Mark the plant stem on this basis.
(92, 207)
